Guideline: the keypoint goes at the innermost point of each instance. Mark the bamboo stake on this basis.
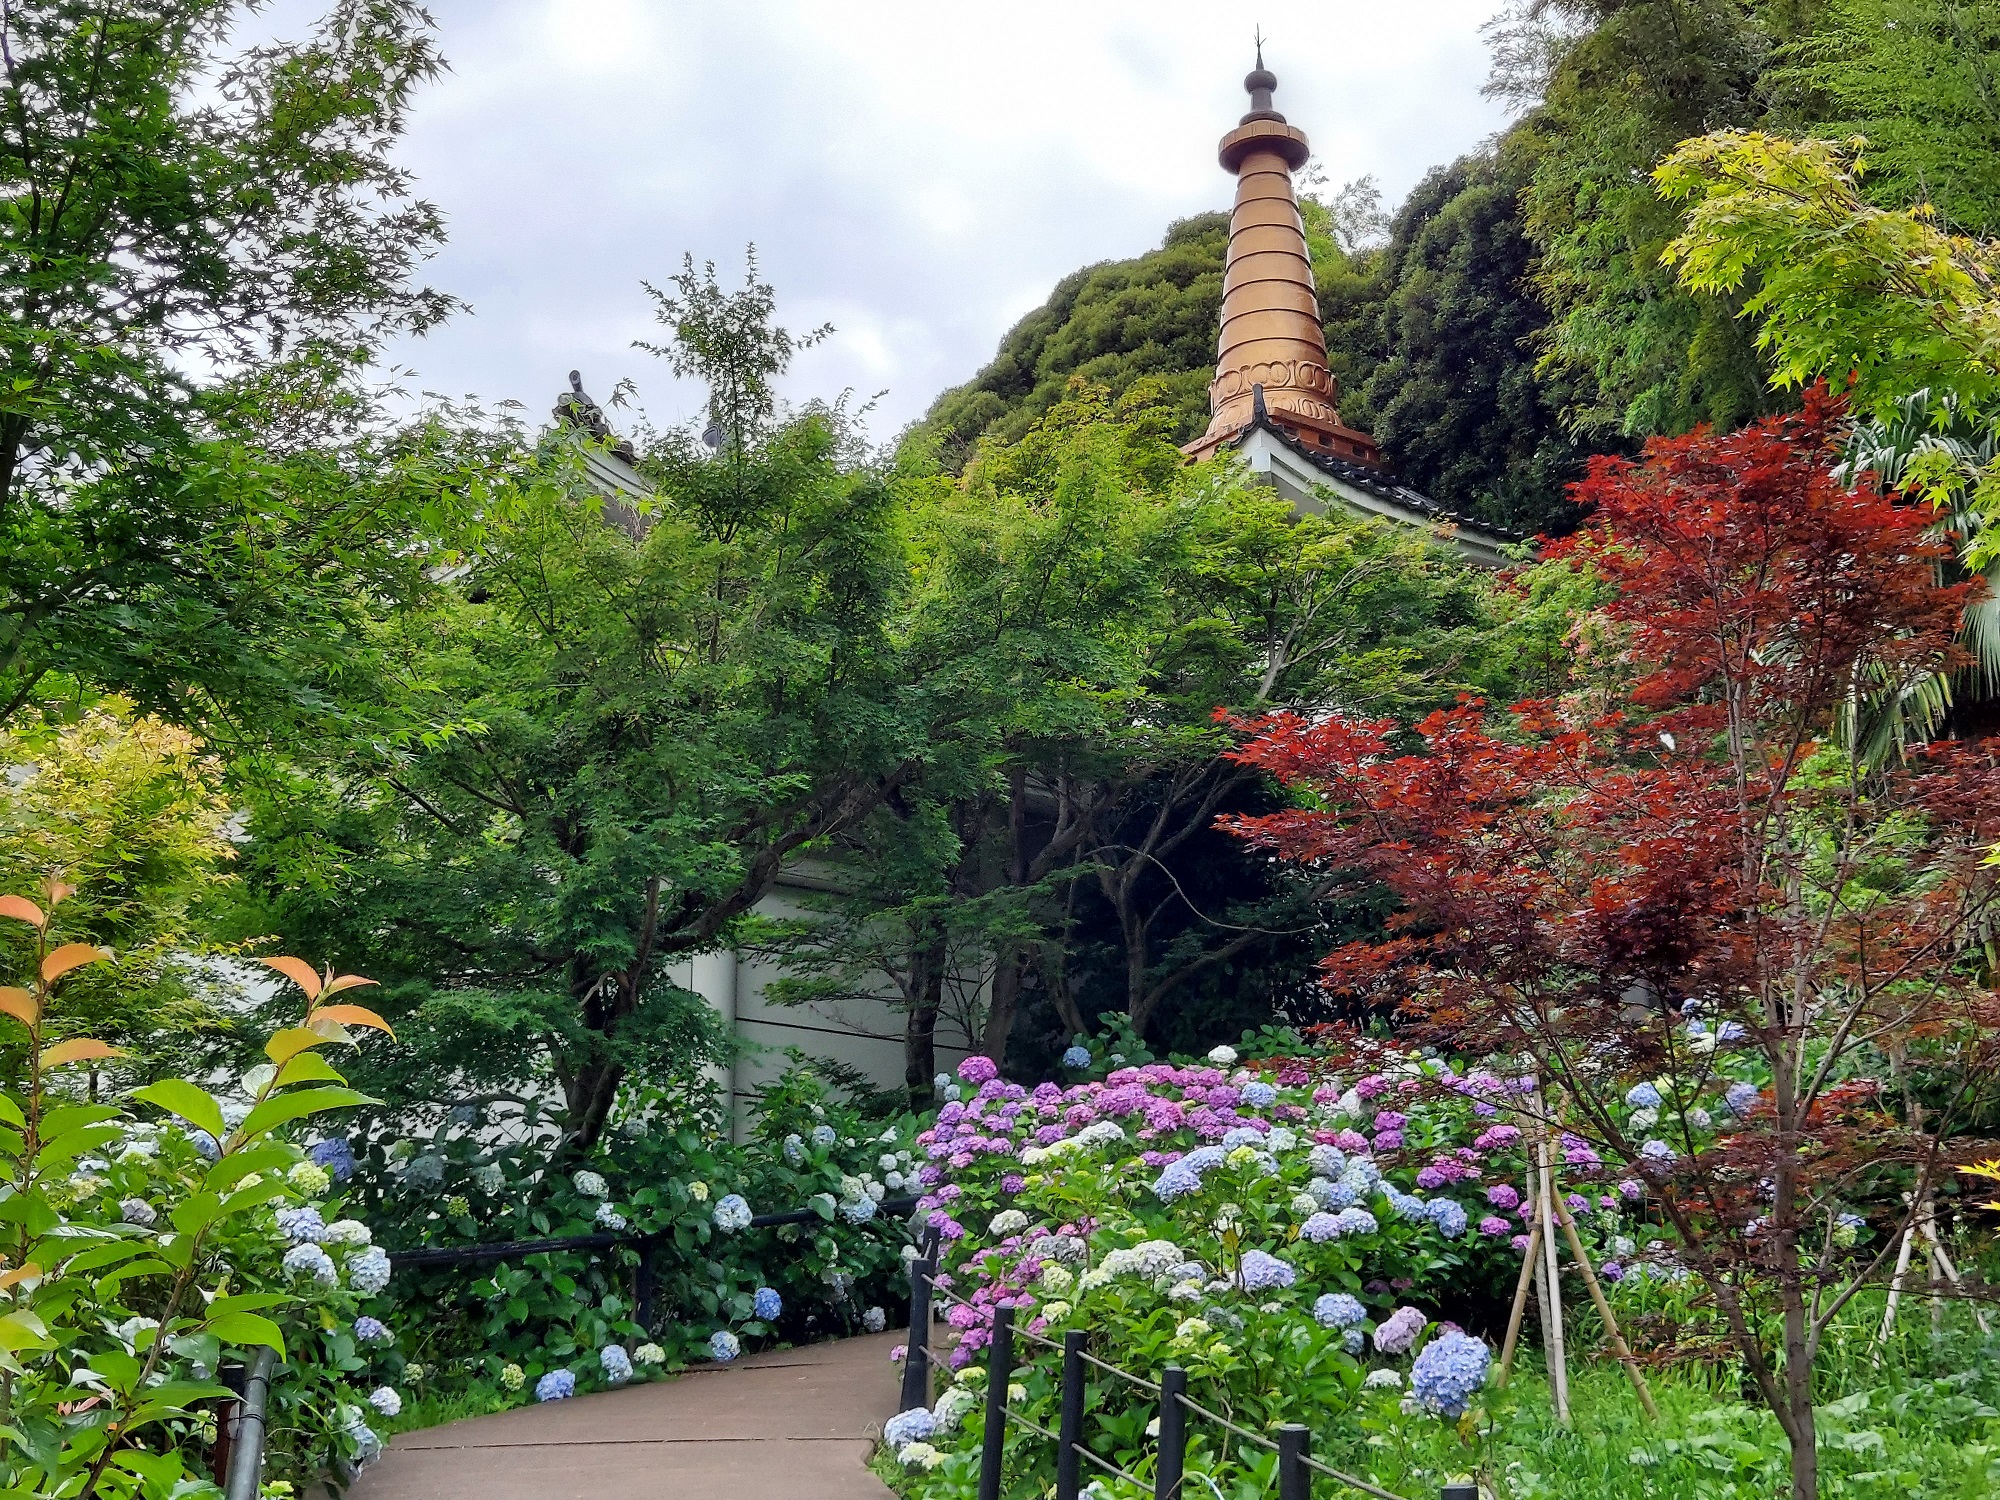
(1553, 1334)
(1529, 1259)
(1951, 1271)
(1896, 1282)
(1618, 1344)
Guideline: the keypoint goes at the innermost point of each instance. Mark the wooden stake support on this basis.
(1541, 1269)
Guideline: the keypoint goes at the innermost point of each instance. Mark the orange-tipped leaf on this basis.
(21, 909)
(345, 982)
(79, 1049)
(22, 1006)
(299, 972)
(70, 956)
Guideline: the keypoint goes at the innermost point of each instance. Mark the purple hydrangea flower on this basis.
(1397, 1333)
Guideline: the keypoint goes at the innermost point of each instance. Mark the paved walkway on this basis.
(799, 1422)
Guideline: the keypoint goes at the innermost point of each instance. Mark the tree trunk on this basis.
(1006, 1000)
(920, 1030)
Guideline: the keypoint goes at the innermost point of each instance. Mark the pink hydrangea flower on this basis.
(1492, 1225)
(977, 1069)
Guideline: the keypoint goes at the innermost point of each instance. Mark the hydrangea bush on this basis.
(1275, 1229)
(667, 1170)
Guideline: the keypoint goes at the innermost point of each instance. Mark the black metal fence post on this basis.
(1069, 1432)
(1172, 1457)
(917, 1354)
(999, 1370)
(1294, 1478)
(1460, 1489)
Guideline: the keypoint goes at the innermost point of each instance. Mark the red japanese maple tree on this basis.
(1579, 880)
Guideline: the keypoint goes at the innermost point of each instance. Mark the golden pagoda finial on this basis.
(1271, 344)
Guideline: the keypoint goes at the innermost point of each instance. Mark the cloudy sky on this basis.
(917, 174)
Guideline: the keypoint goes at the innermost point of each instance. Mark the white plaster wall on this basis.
(861, 1032)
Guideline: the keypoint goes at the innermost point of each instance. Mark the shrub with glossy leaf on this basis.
(140, 1248)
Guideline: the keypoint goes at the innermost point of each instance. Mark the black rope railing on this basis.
(1292, 1442)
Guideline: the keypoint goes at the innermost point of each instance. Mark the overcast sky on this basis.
(919, 175)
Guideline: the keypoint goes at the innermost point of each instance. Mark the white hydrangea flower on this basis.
(1222, 1057)
(385, 1400)
(309, 1178)
(346, 1232)
(1009, 1221)
(591, 1184)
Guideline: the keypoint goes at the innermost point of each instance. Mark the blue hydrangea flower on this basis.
(1262, 1272)
(1729, 1031)
(733, 1213)
(336, 1157)
(1205, 1158)
(1176, 1181)
(911, 1426)
(1076, 1057)
(794, 1149)
(371, 1331)
(1242, 1135)
(1362, 1171)
(858, 1210)
(825, 1135)
(1356, 1221)
(1657, 1151)
(1643, 1096)
(1741, 1098)
(1338, 1310)
(617, 1364)
(874, 1320)
(1326, 1161)
(1449, 1216)
(557, 1385)
(1408, 1205)
(1449, 1371)
(1354, 1341)
(368, 1272)
(1344, 1193)
(1320, 1228)
(302, 1226)
(310, 1263)
(766, 1303)
(1259, 1095)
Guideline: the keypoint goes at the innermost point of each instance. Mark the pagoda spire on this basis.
(1271, 336)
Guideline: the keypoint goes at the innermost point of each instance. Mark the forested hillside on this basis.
(1517, 314)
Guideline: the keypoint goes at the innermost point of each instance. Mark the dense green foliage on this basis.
(1111, 324)
(1456, 400)
(200, 251)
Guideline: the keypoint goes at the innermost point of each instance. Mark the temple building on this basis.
(1274, 401)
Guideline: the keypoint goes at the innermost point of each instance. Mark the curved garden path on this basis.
(771, 1426)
